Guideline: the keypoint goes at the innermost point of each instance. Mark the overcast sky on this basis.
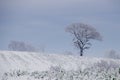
(43, 22)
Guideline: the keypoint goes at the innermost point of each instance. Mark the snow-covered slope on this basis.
(26, 61)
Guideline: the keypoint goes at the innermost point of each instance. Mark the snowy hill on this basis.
(32, 66)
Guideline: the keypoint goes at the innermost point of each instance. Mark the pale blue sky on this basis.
(43, 22)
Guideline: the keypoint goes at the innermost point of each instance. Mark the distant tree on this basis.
(41, 48)
(83, 33)
(21, 46)
(112, 54)
(68, 53)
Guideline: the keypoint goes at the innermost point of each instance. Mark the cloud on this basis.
(56, 6)
(27, 9)
(50, 10)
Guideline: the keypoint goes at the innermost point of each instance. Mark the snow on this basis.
(30, 63)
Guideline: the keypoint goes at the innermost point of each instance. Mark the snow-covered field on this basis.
(38, 66)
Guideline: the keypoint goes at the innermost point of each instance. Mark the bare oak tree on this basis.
(83, 33)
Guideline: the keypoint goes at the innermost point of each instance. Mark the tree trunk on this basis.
(81, 52)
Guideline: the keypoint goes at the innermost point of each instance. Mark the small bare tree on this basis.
(83, 33)
(21, 46)
(112, 54)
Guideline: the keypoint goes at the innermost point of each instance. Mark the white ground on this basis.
(26, 61)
